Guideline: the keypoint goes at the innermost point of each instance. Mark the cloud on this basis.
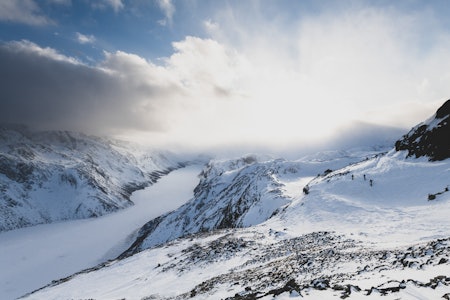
(205, 66)
(61, 2)
(23, 11)
(85, 39)
(47, 90)
(124, 93)
(116, 5)
(168, 9)
(285, 81)
(26, 46)
(293, 85)
(210, 26)
(336, 66)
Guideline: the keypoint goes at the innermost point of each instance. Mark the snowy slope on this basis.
(53, 176)
(34, 256)
(249, 265)
(241, 193)
(366, 228)
(386, 195)
(345, 238)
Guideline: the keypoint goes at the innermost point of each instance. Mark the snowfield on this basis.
(395, 208)
(345, 238)
(34, 256)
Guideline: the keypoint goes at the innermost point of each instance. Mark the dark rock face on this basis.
(431, 139)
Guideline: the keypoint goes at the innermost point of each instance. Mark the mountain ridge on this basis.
(237, 193)
(364, 227)
(60, 175)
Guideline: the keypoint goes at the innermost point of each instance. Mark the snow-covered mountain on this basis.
(363, 231)
(240, 193)
(54, 176)
(354, 224)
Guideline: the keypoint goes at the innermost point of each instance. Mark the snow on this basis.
(293, 186)
(56, 176)
(244, 192)
(32, 257)
(175, 269)
(395, 210)
(392, 216)
(140, 276)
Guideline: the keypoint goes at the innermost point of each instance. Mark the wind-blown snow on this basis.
(32, 257)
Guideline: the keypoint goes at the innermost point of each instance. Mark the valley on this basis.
(357, 223)
(34, 256)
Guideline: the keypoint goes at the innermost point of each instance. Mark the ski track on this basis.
(34, 256)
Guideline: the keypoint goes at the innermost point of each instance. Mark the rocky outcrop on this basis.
(431, 138)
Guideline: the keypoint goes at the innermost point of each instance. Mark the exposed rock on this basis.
(431, 138)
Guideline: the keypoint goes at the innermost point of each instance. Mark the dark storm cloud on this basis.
(44, 89)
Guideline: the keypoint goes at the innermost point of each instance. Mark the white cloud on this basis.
(290, 85)
(116, 5)
(85, 39)
(334, 67)
(211, 27)
(205, 66)
(28, 47)
(23, 11)
(61, 2)
(168, 9)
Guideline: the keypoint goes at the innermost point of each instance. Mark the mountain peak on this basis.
(430, 138)
(444, 110)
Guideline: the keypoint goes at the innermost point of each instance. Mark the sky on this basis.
(215, 73)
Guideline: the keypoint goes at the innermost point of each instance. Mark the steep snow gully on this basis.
(34, 256)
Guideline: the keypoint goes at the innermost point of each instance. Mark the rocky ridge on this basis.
(430, 138)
